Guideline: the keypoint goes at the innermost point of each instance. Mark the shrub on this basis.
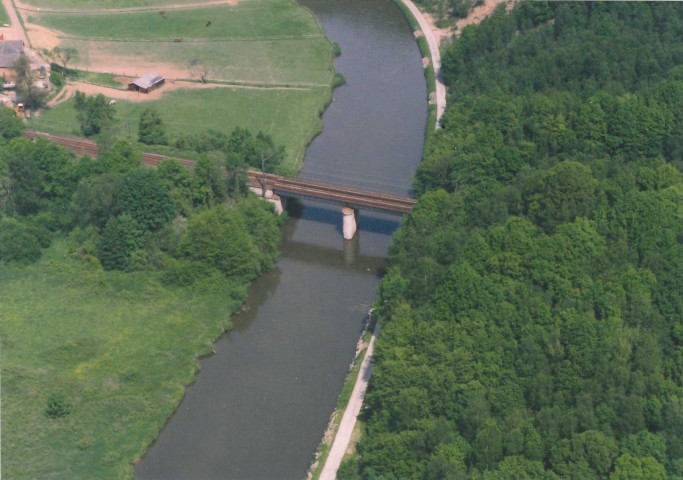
(57, 406)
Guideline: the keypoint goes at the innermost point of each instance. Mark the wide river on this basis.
(260, 405)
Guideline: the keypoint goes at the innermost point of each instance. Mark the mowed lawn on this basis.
(289, 116)
(118, 347)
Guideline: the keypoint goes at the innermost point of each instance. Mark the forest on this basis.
(532, 312)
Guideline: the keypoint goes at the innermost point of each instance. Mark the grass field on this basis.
(119, 347)
(245, 21)
(287, 115)
(272, 43)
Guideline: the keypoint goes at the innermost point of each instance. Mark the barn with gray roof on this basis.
(146, 83)
(10, 51)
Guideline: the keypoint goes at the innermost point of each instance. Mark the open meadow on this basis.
(273, 45)
(118, 346)
(284, 114)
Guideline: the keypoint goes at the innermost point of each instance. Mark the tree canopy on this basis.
(532, 311)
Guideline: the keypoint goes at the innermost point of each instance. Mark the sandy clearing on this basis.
(42, 37)
(481, 12)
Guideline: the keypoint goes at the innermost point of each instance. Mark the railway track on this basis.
(280, 185)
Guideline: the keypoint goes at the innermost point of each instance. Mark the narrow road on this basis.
(15, 31)
(436, 59)
(348, 421)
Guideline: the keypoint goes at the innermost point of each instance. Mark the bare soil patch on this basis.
(481, 12)
(42, 37)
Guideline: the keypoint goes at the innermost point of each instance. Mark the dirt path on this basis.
(14, 31)
(348, 421)
(116, 94)
(435, 58)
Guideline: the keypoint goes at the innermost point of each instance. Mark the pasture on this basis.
(287, 115)
(258, 43)
(118, 346)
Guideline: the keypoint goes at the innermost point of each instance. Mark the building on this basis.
(10, 51)
(146, 83)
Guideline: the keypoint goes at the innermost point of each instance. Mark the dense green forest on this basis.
(532, 311)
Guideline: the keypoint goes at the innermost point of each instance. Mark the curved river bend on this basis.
(261, 404)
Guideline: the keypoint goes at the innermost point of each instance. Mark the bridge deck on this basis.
(282, 186)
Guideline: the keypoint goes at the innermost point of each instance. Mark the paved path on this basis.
(436, 59)
(348, 421)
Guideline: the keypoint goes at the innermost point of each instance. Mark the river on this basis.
(261, 403)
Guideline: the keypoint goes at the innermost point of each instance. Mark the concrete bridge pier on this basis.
(350, 223)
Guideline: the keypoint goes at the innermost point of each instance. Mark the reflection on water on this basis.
(260, 405)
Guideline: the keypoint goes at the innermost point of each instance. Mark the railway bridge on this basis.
(275, 187)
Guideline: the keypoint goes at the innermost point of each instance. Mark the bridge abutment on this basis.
(270, 197)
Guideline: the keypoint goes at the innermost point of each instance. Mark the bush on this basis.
(146, 198)
(56, 79)
(57, 406)
(17, 242)
(121, 237)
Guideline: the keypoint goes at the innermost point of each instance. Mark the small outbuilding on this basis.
(146, 83)
(10, 51)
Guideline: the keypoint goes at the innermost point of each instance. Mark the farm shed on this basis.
(146, 83)
(10, 51)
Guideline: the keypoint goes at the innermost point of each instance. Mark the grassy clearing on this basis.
(118, 346)
(293, 61)
(290, 116)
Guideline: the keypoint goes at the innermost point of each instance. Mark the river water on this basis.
(260, 405)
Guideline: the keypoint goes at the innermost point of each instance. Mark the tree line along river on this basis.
(261, 403)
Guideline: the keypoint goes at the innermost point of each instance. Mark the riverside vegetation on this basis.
(533, 307)
(114, 279)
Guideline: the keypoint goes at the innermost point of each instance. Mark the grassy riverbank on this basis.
(118, 346)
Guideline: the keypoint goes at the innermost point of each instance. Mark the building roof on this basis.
(147, 81)
(10, 51)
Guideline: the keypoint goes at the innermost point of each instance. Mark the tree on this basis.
(628, 467)
(95, 113)
(32, 95)
(96, 200)
(120, 238)
(122, 158)
(220, 239)
(151, 129)
(11, 126)
(146, 198)
(17, 243)
(64, 55)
